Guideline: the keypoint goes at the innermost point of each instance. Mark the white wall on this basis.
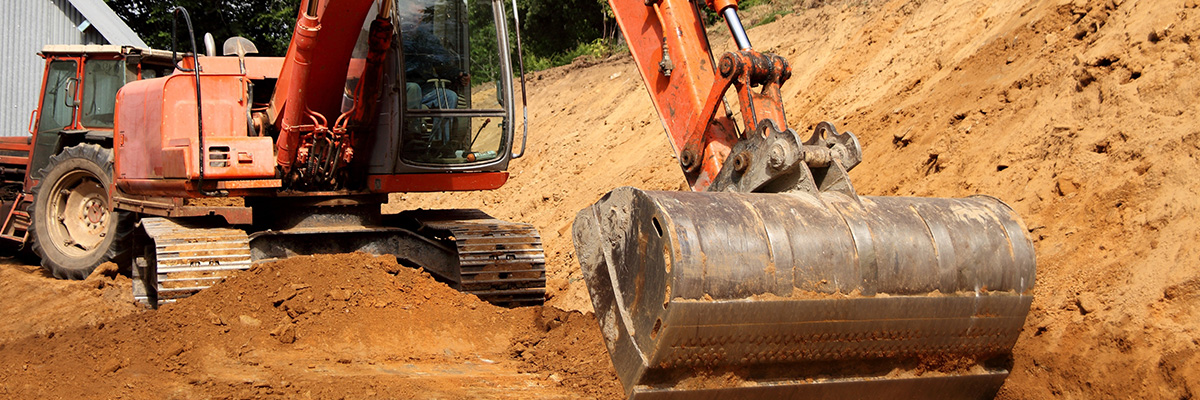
(26, 26)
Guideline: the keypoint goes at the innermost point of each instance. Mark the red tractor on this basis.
(63, 172)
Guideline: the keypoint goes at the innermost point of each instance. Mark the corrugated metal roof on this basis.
(108, 23)
(26, 26)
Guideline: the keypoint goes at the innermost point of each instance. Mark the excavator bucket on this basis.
(798, 295)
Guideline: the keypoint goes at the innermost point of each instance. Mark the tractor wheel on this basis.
(74, 226)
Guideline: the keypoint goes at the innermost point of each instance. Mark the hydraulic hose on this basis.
(176, 12)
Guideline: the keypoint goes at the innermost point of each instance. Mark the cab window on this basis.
(56, 114)
(101, 80)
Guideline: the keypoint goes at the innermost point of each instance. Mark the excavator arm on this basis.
(310, 93)
(688, 84)
(775, 279)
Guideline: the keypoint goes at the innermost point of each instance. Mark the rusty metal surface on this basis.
(501, 262)
(174, 207)
(771, 160)
(965, 386)
(797, 291)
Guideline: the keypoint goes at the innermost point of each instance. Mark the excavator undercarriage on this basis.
(500, 262)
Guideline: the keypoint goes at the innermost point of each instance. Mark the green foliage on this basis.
(769, 18)
(267, 23)
(546, 44)
(599, 48)
(485, 65)
(711, 17)
(557, 26)
(554, 32)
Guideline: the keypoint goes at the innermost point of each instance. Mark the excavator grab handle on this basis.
(524, 99)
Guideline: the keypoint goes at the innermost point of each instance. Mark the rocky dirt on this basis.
(1080, 114)
(333, 326)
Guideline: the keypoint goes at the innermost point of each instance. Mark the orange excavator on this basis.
(773, 278)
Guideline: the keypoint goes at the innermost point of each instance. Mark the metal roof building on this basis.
(28, 25)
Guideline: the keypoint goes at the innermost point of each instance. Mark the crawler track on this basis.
(180, 260)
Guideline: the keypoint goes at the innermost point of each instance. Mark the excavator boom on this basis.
(775, 279)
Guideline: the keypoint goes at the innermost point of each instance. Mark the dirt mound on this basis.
(35, 303)
(565, 351)
(326, 326)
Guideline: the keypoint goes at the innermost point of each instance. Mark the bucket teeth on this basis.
(805, 295)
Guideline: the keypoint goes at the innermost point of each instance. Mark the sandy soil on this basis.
(335, 326)
(1079, 114)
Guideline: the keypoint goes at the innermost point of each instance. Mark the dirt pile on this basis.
(36, 303)
(566, 348)
(353, 326)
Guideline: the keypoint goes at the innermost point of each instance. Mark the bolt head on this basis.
(687, 159)
(778, 157)
(726, 66)
(741, 163)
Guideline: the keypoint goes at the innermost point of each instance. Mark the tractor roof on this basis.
(93, 49)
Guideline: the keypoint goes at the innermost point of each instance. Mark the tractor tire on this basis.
(74, 226)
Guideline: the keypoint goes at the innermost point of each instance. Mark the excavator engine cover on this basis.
(798, 295)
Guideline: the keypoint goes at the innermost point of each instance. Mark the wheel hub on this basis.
(93, 211)
(80, 205)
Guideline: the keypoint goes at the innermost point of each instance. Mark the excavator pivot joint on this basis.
(782, 172)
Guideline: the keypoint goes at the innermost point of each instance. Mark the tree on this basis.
(552, 28)
(267, 23)
(559, 26)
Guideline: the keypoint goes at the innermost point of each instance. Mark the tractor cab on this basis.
(72, 125)
(79, 91)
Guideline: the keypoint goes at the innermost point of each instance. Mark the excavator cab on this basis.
(452, 102)
(436, 48)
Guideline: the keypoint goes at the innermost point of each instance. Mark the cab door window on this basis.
(101, 80)
(56, 112)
